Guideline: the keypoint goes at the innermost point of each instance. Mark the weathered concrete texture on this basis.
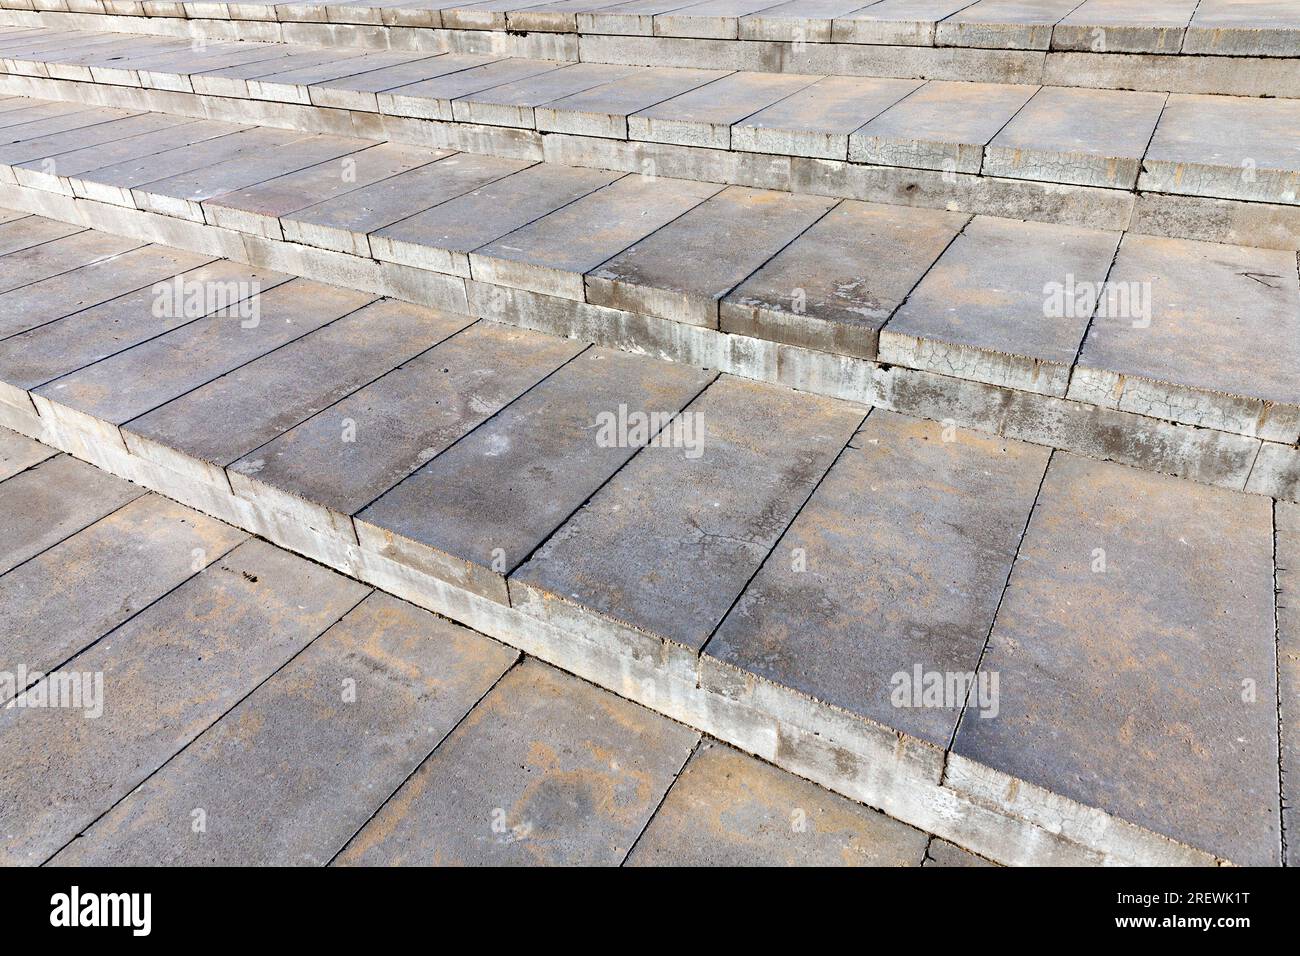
(896, 565)
(666, 547)
(836, 285)
(1003, 24)
(547, 770)
(1245, 28)
(604, 110)
(1000, 305)
(729, 809)
(59, 497)
(32, 231)
(942, 853)
(432, 99)
(329, 467)
(1286, 519)
(808, 21)
(68, 597)
(361, 91)
(943, 125)
(477, 511)
(289, 775)
(552, 254)
(168, 674)
(1200, 333)
(513, 104)
(709, 19)
(725, 239)
(18, 453)
(906, 22)
(1122, 26)
(817, 120)
(30, 265)
(1135, 655)
(1227, 146)
(1087, 137)
(206, 429)
(704, 116)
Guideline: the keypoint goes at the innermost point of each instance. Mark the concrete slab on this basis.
(1218, 347)
(513, 104)
(432, 99)
(704, 116)
(1244, 28)
(18, 453)
(333, 465)
(727, 238)
(1286, 522)
(167, 675)
(901, 22)
(1226, 146)
(817, 120)
(345, 222)
(361, 91)
(204, 430)
(1085, 137)
(552, 254)
(153, 373)
(718, 19)
(560, 16)
(941, 853)
(942, 125)
(730, 809)
(1157, 705)
(53, 500)
(27, 266)
(604, 110)
(31, 231)
(632, 18)
(481, 14)
(667, 547)
(478, 510)
(233, 80)
(294, 85)
(547, 770)
(1120, 26)
(322, 743)
(834, 286)
(442, 238)
(47, 149)
(798, 21)
(892, 572)
(70, 596)
(1003, 24)
(1002, 305)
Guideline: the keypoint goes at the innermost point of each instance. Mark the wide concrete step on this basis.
(1244, 47)
(1037, 656)
(1109, 343)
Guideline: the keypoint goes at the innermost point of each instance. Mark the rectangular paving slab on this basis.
(906, 22)
(1003, 24)
(1121, 26)
(293, 85)
(432, 99)
(478, 510)
(18, 453)
(834, 286)
(604, 110)
(28, 231)
(59, 497)
(730, 809)
(167, 675)
(333, 465)
(718, 19)
(70, 596)
(1085, 137)
(891, 573)
(322, 743)
(807, 21)
(1159, 704)
(49, 148)
(1005, 304)
(513, 104)
(726, 238)
(1244, 28)
(704, 116)
(547, 770)
(667, 546)
(362, 91)
(56, 257)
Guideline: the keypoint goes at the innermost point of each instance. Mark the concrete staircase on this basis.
(447, 240)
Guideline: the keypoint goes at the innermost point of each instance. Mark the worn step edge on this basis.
(1228, 460)
(1200, 73)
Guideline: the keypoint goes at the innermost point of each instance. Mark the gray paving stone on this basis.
(1003, 24)
(432, 99)
(560, 16)
(817, 120)
(1147, 689)
(70, 596)
(344, 222)
(442, 238)
(1286, 522)
(513, 104)
(635, 17)
(18, 453)
(480, 14)
(666, 547)
(1121, 26)
(333, 465)
(478, 510)
(322, 744)
(153, 373)
(103, 279)
(986, 311)
(294, 85)
(1232, 147)
(726, 238)
(703, 116)
(1086, 137)
(168, 674)
(1276, 472)
(38, 129)
(906, 22)
(361, 91)
(32, 231)
(204, 430)
(1218, 347)
(730, 809)
(806, 21)
(47, 149)
(604, 110)
(547, 770)
(1244, 27)
(552, 254)
(711, 19)
(944, 854)
(233, 80)
(896, 565)
(57, 498)
(834, 286)
(942, 125)
(31, 265)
